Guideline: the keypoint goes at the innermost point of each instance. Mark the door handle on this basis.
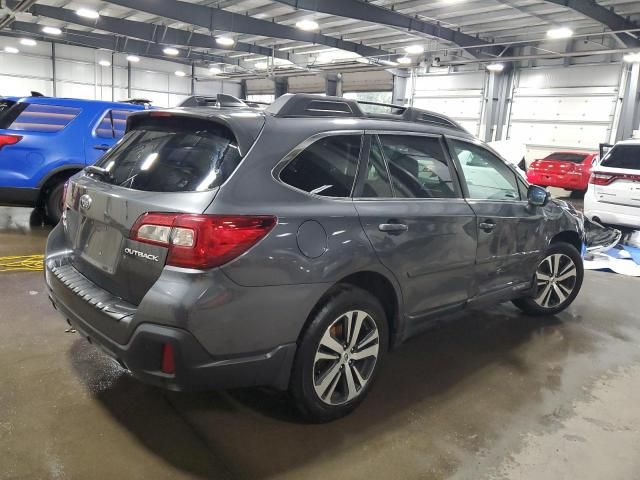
(487, 226)
(393, 227)
(102, 147)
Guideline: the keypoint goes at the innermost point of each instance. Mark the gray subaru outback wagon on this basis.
(292, 247)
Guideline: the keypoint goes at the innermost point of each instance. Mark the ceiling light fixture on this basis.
(307, 25)
(87, 13)
(28, 42)
(11, 50)
(414, 49)
(133, 58)
(215, 70)
(104, 63)
(180, 73)
(404, 60)
(51, 30)
(495, 67)
(225, 41)
(171, 51)
(633, 57)
(560, 32)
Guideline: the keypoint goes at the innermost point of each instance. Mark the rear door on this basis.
(168, 164)
(508, 228)
(412, 211)
(618, 179)
(106, 132)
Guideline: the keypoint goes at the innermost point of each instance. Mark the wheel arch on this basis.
(378, 285)
(570, 237)
(55, 176)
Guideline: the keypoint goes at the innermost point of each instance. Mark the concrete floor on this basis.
(492, 395)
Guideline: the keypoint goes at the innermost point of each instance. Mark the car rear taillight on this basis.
(201, 241)
(608, 179)
(9, 140)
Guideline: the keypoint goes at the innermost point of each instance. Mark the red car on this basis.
(568, 170)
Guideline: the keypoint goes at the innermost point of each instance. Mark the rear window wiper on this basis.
(101, 172)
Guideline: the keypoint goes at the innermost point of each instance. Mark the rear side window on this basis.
(623, 156)
(327, 167)
(5, 105)
(113, 124)
(173, 155)
(566, 157)
(417, 166)
(376, 182)
(34, 117)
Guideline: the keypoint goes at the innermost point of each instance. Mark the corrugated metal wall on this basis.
(571, 107)
(78, 75)
(457, 95)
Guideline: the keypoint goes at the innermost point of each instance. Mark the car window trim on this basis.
(448, 138)
(299, 148)
(441, 139)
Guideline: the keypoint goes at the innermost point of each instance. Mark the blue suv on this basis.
(45, 140)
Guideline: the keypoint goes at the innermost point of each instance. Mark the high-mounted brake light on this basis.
(9, 140)
(201, 241)
(608, 179)
(160, 114)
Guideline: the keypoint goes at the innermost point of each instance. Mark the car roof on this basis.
(77, 102)
(573, 152)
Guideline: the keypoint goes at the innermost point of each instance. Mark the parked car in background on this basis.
(45, 140)
(566, 169)
(292, 247)
(613, 196)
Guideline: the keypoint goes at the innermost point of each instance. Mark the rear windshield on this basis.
(173, 155)
(567, 157)
(34, 117)
(623, 156)
(5, 104)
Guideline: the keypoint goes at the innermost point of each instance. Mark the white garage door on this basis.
(457, 95)
(564, 108)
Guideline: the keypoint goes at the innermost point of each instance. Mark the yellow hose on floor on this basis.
(22, 263)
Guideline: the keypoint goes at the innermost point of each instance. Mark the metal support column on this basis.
(193, 78)
(53, 68)
(496, 105)
(243, 89)
(281, 86)
(113, 76)
(630, 108)
(400, 92)
(128, 79)
(333, 84)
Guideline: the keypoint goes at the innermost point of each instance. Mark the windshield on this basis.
(172, 155)
(623, 156)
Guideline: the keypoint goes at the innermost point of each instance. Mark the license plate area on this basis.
(99, 245)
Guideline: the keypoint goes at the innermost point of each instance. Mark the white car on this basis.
(613, 195)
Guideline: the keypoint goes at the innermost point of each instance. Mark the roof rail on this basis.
(220, 100)
(308, 105)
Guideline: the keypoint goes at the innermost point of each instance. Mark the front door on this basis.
(413, 213)
(509, 230)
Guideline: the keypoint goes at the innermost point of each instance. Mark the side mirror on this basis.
(537, 196)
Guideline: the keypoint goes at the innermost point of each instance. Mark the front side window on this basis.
(327, 167)
(35, 117)
(623, 156)
(113, 124)
(486, 176)
(417, 166)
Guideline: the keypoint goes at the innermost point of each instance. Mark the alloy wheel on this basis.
(556, 279)
(346, 357)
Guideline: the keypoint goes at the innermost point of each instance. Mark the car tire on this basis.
(323, 367)
(558, 281)
(53, 203)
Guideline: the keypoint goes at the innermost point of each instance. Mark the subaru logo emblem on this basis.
(85, 202)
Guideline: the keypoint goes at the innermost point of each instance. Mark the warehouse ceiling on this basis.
(283, 37)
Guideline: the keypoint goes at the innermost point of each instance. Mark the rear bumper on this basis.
(568, 181)
(195, 368)
(217, 348)
(19, 197)
(611, 213)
